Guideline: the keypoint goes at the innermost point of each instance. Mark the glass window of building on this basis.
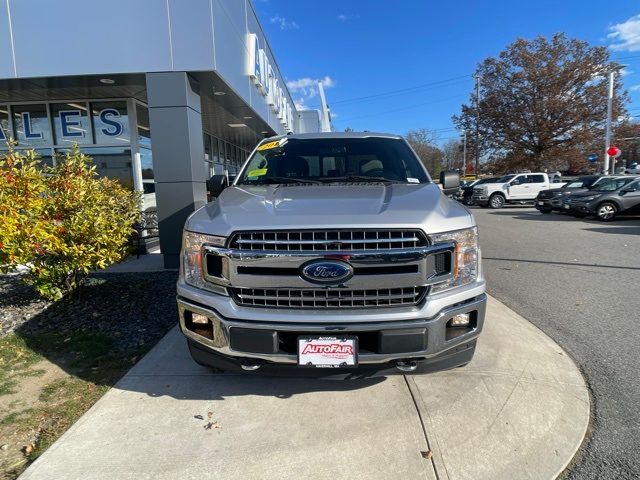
(214, 150)
(71, 123)
(144, 141)
(110, 122)
(112, 162)
(5, 133)
(206, 141)
(31, 125)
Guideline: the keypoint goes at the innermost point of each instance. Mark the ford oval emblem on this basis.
(326, 271)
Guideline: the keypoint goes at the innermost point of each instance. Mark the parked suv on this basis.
(549, 200)
(332, 250)
(608, 199)
(465, 194)
(514, 188)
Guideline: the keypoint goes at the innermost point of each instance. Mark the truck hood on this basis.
(290, 206)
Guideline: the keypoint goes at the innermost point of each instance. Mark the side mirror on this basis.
(515, 182)
(450, 181)
(626, 190)
(217, 184)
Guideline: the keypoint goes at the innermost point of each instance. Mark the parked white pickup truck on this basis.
(514, 188)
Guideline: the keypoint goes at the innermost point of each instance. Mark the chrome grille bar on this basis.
(325, 240)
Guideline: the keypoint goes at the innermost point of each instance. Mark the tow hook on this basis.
(250, 366)
(406, 365)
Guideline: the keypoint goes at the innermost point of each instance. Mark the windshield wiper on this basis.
(360, 178)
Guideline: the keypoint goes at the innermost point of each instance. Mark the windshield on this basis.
(576, 184)
(612, 185)
(333, 160)
(505, 179)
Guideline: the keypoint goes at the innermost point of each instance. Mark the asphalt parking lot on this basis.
(578, 280)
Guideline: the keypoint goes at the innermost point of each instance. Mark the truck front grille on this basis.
(323, 298)
(327, 240)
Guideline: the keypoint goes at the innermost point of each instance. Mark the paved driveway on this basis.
(518, 411)
(579, 281)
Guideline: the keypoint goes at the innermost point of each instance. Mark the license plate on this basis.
(566, 207)
(327, 352)
(540, 203)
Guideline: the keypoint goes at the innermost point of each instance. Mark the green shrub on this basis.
(61, 222)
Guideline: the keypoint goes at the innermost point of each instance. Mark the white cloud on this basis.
(625, 71)
(626, 35)
(635, 88)
(345, 17)
(306, 88)
(284, 23)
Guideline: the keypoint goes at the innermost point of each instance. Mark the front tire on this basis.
(468, 201)
(496, 201)
(606, 211)
(545, 210)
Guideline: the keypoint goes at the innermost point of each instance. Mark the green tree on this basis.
(61, 222)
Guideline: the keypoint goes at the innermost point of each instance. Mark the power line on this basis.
(400, 109)
(436, 84)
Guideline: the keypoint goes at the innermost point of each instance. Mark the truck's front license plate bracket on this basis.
(328, 352)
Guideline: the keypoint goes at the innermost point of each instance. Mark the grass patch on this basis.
(93, 366)
(16, 357)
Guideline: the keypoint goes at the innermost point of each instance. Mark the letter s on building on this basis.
(106, 117)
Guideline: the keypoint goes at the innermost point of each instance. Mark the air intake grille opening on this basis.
(323, 298)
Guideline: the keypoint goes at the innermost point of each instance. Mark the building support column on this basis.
(178, 155)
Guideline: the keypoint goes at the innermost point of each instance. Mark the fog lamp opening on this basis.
(198, 324)
(199, 319)
(460, 320)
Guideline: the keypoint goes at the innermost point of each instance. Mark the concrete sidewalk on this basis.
(519, 410)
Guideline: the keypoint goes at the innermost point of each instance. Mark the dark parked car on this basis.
(549, 200)
(465, 194)
(608, 199)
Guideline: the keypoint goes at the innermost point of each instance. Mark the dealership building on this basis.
(162, 94)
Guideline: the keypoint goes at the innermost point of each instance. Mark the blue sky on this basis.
(398, 65)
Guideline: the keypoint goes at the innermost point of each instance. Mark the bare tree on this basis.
(542, 102)
(452, 152)
(424, 143)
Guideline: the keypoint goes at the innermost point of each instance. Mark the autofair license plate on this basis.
(540, 203)
(327, 352)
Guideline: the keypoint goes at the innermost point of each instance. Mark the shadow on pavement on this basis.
(222, 386)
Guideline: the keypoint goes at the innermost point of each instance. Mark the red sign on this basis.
(614, 151)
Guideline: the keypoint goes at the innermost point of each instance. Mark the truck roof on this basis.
(322, 135)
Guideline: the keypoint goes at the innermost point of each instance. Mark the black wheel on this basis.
(496, 201)
(606, 211)
(545, 210)
(467, 200)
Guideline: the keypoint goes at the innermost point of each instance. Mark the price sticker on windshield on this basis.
(274, 144)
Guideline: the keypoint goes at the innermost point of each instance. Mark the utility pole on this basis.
(607, 131)
(464, 153)
(477, 149)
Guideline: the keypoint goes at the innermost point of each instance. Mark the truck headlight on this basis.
(192, 256)
(465, 257)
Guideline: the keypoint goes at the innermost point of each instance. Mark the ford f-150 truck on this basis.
(332, 253)
(515, 188)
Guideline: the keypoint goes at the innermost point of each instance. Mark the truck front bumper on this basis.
(431, 343)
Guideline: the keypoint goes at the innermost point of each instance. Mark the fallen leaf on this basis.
(208, 426)
(4, 446)
(28, 449)
(209, 415)
(428, 454)
(199, 417)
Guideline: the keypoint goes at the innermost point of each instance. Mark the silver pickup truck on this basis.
(332, 254)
